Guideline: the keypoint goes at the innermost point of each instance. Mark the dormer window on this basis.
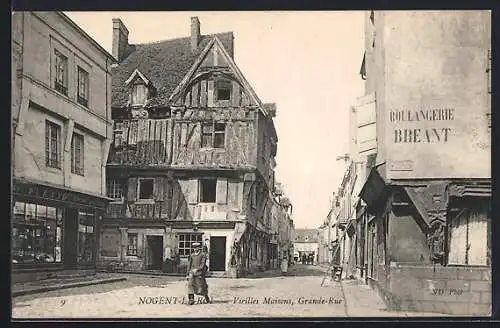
(140, 88)
(139, 94)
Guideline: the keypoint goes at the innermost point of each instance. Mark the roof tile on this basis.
(164, 63)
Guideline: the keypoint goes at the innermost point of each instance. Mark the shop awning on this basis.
(239, 230)
(375, 186)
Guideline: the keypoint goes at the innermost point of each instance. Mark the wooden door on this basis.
(217, 254)
(70, 247)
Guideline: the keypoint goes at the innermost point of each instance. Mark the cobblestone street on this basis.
(250, 297)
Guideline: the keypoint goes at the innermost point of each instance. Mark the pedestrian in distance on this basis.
(196, 271)
(284, 265)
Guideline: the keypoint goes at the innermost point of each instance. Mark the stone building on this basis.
(306, 243)
(192, 158)
(423, 134)
(281, 230)
(61, 117)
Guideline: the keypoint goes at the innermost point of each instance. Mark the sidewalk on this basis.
(46, 285)
(363, 301)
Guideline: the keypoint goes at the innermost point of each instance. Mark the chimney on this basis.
(195, 33)
(120, 40)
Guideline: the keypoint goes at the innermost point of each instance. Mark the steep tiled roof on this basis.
(164, 63)
(306, 235)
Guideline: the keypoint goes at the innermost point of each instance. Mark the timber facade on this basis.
(192, 158)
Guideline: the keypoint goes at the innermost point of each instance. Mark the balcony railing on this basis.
(61, 88)
(83, 101)
(150, 211)
(210, 211)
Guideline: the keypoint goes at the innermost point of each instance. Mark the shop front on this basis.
(52, 229)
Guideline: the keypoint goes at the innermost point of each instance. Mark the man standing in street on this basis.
(197, 284)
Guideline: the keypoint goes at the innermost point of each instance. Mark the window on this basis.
(139, 94)
(186, 242)
(213, 135)
(52, 144)
(208, 190)
(146, 187)
(61, 73)
(83, 87)
(223, 90)
(114, 189)
(36, 234)
(118, 135)
(468, 237)
(77, 148)
(86, 237)
(132, 244)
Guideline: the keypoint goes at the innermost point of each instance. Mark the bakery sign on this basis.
(427, 132)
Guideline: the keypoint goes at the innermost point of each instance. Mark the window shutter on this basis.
(221, 197)
(478, 236)
(366, 130)
(458, 239)
(132, 189)
(210, 93)
(159, 187)
(193, 191)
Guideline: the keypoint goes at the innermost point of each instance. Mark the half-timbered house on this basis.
(192, 157)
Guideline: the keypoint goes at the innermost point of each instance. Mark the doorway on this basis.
(70, 247)
(154, 252)
(217, 254)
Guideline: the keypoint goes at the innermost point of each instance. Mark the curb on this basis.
(65, 286)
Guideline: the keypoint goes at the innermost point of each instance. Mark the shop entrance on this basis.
(154, 252)
(70, 249)
(217, 253)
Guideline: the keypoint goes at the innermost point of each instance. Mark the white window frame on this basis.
(58, 57)
(78, 153)
(114, 187)
(134, 236)
(82, 73)
(49, 144)
(188, 243)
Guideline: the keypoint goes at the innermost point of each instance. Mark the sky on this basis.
(305, 62)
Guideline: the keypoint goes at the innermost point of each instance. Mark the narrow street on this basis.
(261, 295)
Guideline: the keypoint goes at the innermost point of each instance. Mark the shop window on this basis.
(146, 187)
(52, 145)
(36, 234)
(83, 87)
(132, 244)
(223, 90)
(186, 242)
(86, 237)
(468, 243)
(114, 189)
(61, 73)
(208, 190)
(213, 135)
(77, 151)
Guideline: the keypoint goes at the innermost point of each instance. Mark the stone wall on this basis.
(451, 290)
